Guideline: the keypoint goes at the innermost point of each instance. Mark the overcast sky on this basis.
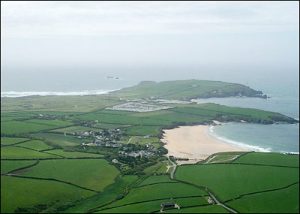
(140, 34)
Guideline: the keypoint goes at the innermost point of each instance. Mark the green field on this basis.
(159, 168)
(252, 183)
(225, 157)
(35, 145)
(72, 129)
(270, 159)
(13, 152)
(69, 154)
(154, 206)
(85, 173)
(58, 103)
(59, 140)
(10, 140)
(164, 191)
(21, 127)
(237, 179)
(53, 123)
(157, 179)
(7, 166)
(277, 201)
(143, 130)
(143, 140)
(108, 195)
(26, 193)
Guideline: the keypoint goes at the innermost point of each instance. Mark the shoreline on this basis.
(195, 143)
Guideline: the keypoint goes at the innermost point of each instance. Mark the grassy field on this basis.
(72, 129)
(154, 206)
(142, 140)
(237, 179)
(86, 173)
(58, 139)
(58, 103)
(148, 123)
(159, 168)
(225, 157)
(163, 191)
(53, 123)
(156, 179)
(26, 193)
(69, 154)
(21, 127)
(10, 140)
(269, 159)
(252, 183)
(278, 201)
(108, 195)
(35, 144)
(16, 115)
(13, 152)
(7, 166)
(143, 130)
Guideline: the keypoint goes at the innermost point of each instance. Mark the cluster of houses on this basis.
(103, 138)
(49, 116)
(111, 139)
(101, 135)
(139, 153)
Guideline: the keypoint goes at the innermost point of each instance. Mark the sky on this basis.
(145, 39)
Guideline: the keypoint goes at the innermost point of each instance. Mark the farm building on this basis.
(168, 205)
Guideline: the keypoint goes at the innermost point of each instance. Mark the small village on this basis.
(111, 139)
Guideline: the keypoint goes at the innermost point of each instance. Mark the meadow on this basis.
(92, 171)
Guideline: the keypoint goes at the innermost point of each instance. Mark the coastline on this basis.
(195, 143)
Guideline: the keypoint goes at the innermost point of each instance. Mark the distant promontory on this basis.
(187, 90)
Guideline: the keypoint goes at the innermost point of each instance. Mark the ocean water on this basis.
(258, 137)
(263, 138)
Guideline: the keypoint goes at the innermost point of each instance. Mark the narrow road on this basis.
(213, 197)
(219, 203)
(173, 168)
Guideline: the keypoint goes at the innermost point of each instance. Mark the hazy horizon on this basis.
(53, 46)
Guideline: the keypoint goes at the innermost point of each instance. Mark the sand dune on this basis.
(195, 143)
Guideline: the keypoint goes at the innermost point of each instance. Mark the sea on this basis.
(282, 88)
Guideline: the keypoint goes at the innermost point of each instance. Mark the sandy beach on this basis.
(194, 143)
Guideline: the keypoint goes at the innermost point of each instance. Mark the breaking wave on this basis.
(237, 143)
(54, 93)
